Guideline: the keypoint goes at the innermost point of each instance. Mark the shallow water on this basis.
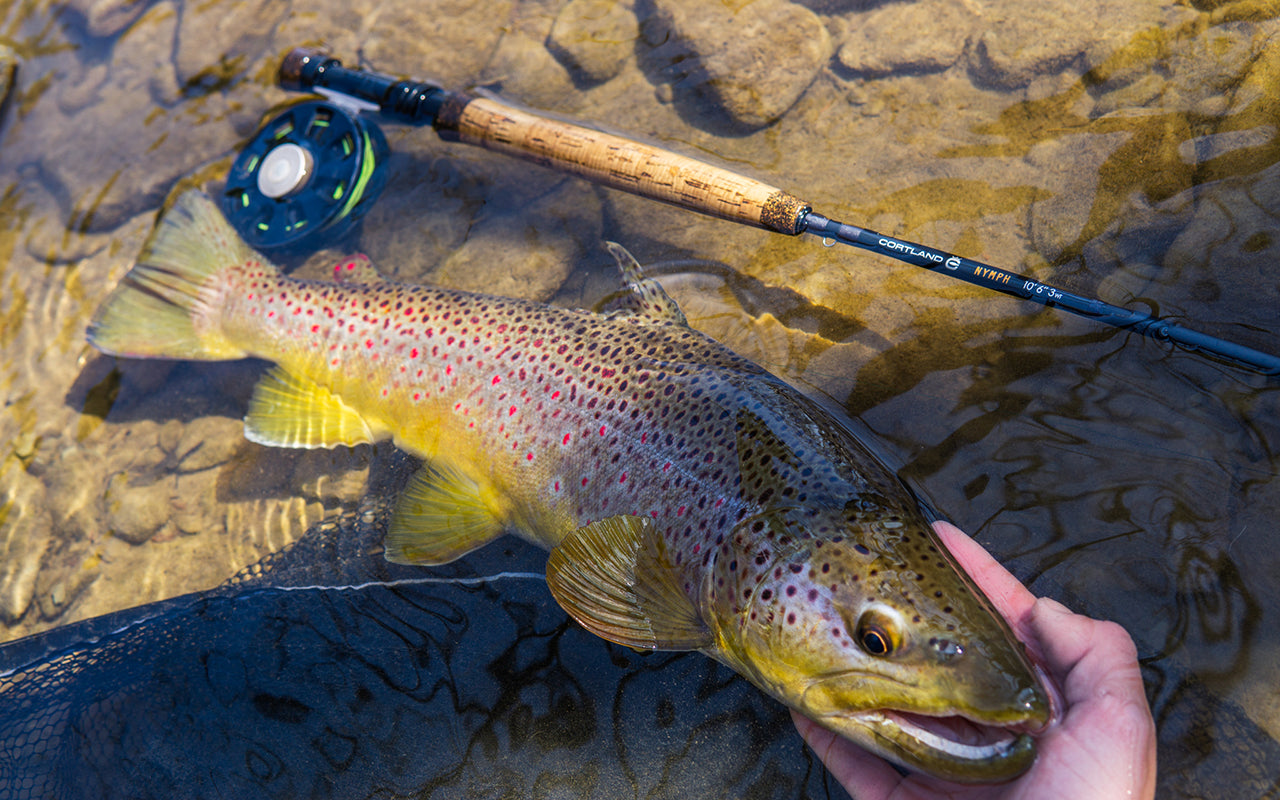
(1128, 151)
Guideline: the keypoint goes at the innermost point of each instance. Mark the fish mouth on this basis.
(952, 747)
(958, 737)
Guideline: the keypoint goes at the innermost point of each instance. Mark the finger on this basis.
(863, 775)
(1097, 658)
(1006, 592)
(1104, 692)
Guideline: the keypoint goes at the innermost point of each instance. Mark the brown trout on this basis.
(690, 500)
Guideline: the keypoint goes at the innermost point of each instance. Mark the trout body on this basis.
(689, 499)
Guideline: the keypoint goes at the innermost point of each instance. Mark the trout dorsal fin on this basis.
(643, 297)
(287, 410)
(441, 516)
(614, 577)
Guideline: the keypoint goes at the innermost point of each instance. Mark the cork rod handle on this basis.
(620, 163)
(604, 158)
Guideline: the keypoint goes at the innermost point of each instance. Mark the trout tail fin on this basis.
(155, 310)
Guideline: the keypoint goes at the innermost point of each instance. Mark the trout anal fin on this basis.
(441, 516)
(291, 411)
(643, 297)
(613, 576)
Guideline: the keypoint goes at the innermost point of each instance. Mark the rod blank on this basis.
(660, 174)
(1005, 282)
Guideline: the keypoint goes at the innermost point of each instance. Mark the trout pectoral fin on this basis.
(614, 578)
(291, 411)
(441, 516)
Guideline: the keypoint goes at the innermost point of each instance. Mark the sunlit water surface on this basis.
(1126, 151)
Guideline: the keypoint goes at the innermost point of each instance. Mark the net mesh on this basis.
(325, 671)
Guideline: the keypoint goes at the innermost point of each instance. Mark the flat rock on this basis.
(887, 40)
(450, 42)
(195, 503)
(535, 272)
(67, 586)
(8, 69)
(537, 241)
(1069, 164)
(1017, 42)
(594, 38)
(136, 513)
(1223, 260)
(208, 442)
(218, 41)
(753, 60)
(108, 17)
(25, 534)
(129, 143)
(522, 70)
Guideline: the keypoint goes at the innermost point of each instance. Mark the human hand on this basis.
(1105, 744)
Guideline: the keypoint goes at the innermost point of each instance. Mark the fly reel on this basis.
(314, 169)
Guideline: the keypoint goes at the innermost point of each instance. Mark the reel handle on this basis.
(603, 158)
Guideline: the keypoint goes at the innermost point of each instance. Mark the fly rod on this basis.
(660, 174)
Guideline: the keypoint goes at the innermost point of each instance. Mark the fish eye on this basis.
(875, 641)
(878, 633)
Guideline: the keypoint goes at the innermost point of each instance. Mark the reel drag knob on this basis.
(312, 171)
(284, 171)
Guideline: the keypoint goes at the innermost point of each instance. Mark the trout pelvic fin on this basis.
(613, 576)
(152, 312)
(290, 411)
(643, 297)
(441, 516)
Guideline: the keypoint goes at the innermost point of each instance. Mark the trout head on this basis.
(868, 627)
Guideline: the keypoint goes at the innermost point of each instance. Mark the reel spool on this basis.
(314, 169)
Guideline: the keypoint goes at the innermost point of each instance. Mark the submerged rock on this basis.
(25, 534)
(450, 43)
(68, 584)
(109, 17)
(8, 69)
(594, 38)
(1017, 42)
(1223, 260)
(136, 513)
(526, 243)
(217, 42)
(103, 175)
(889, 39)
(754, 60)
(208, 442)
